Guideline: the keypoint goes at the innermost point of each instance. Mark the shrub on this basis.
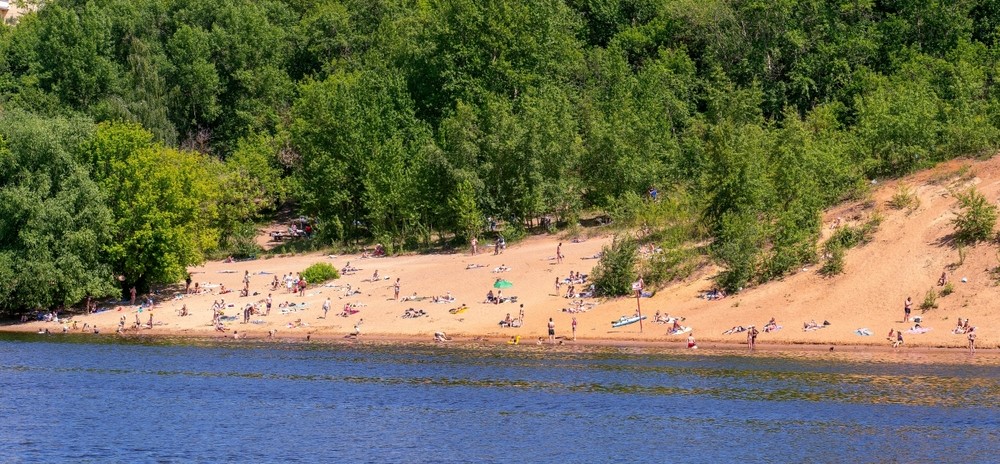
(671, 264)
(319, 273)
(930, 300)
(850, 237)
(615, 273)
(904, 198)
(976, 219)
(834, 264)
(948, 289)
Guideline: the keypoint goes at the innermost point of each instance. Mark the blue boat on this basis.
(626, 321)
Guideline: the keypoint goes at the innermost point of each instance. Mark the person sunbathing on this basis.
(811, 325)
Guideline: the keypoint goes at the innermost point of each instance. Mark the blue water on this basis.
(69, 399)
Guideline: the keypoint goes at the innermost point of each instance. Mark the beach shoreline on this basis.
(856, 352)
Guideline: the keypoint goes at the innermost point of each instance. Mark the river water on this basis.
(76, 399)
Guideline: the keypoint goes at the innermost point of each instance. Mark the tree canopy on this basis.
(162, 129)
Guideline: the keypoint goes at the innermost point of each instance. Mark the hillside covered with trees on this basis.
(138, 137)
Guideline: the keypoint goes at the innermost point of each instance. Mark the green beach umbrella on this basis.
(500, 283)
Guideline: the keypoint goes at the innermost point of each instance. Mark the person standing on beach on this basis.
(132, 292)
(574, 328)
(302, 287)
(246, 282)
(520, 317)
(972, 340)
(267, 305)
(907, 307)
(552, 331)
(395, 290)
(357, 328)
(752, 337)
(326, 307)
(475, 245)
(559, 255)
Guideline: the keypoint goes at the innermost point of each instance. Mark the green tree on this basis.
(163, 203)
(615, 273)
(53, 221)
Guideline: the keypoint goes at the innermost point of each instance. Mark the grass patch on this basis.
(948, 289)
(904, 198)
(930, 300)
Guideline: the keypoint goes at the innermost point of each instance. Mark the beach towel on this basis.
(918, 330)
(682, 330)
(863, 332)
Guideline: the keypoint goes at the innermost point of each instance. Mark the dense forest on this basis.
(138, 137)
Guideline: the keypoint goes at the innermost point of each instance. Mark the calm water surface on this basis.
(72, 400)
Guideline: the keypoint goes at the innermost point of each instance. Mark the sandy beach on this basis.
(908, 254)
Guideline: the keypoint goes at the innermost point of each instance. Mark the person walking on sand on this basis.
(395, 290)
(899, 339)
(907, 307)
(752, 337)
(559, 255)
(574, 328)
(357, 328)
(326, 307)
(972, 340)
(552, 331)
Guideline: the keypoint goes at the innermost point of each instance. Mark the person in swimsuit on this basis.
(907, 307)
(972, 340)
(552, 331)
(691, 343)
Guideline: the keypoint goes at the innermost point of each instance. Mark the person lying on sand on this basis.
(441, 337)
(474, 266)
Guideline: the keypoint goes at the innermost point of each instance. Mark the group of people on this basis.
(294, 283)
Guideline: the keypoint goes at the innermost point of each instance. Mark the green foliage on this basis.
(834, 264)
(739, 249)
(319, 273)
(53, 221)
(904, 198)
(847, 237)
(615, 273)
(163, 203)
(930, 300)
(976, 219)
